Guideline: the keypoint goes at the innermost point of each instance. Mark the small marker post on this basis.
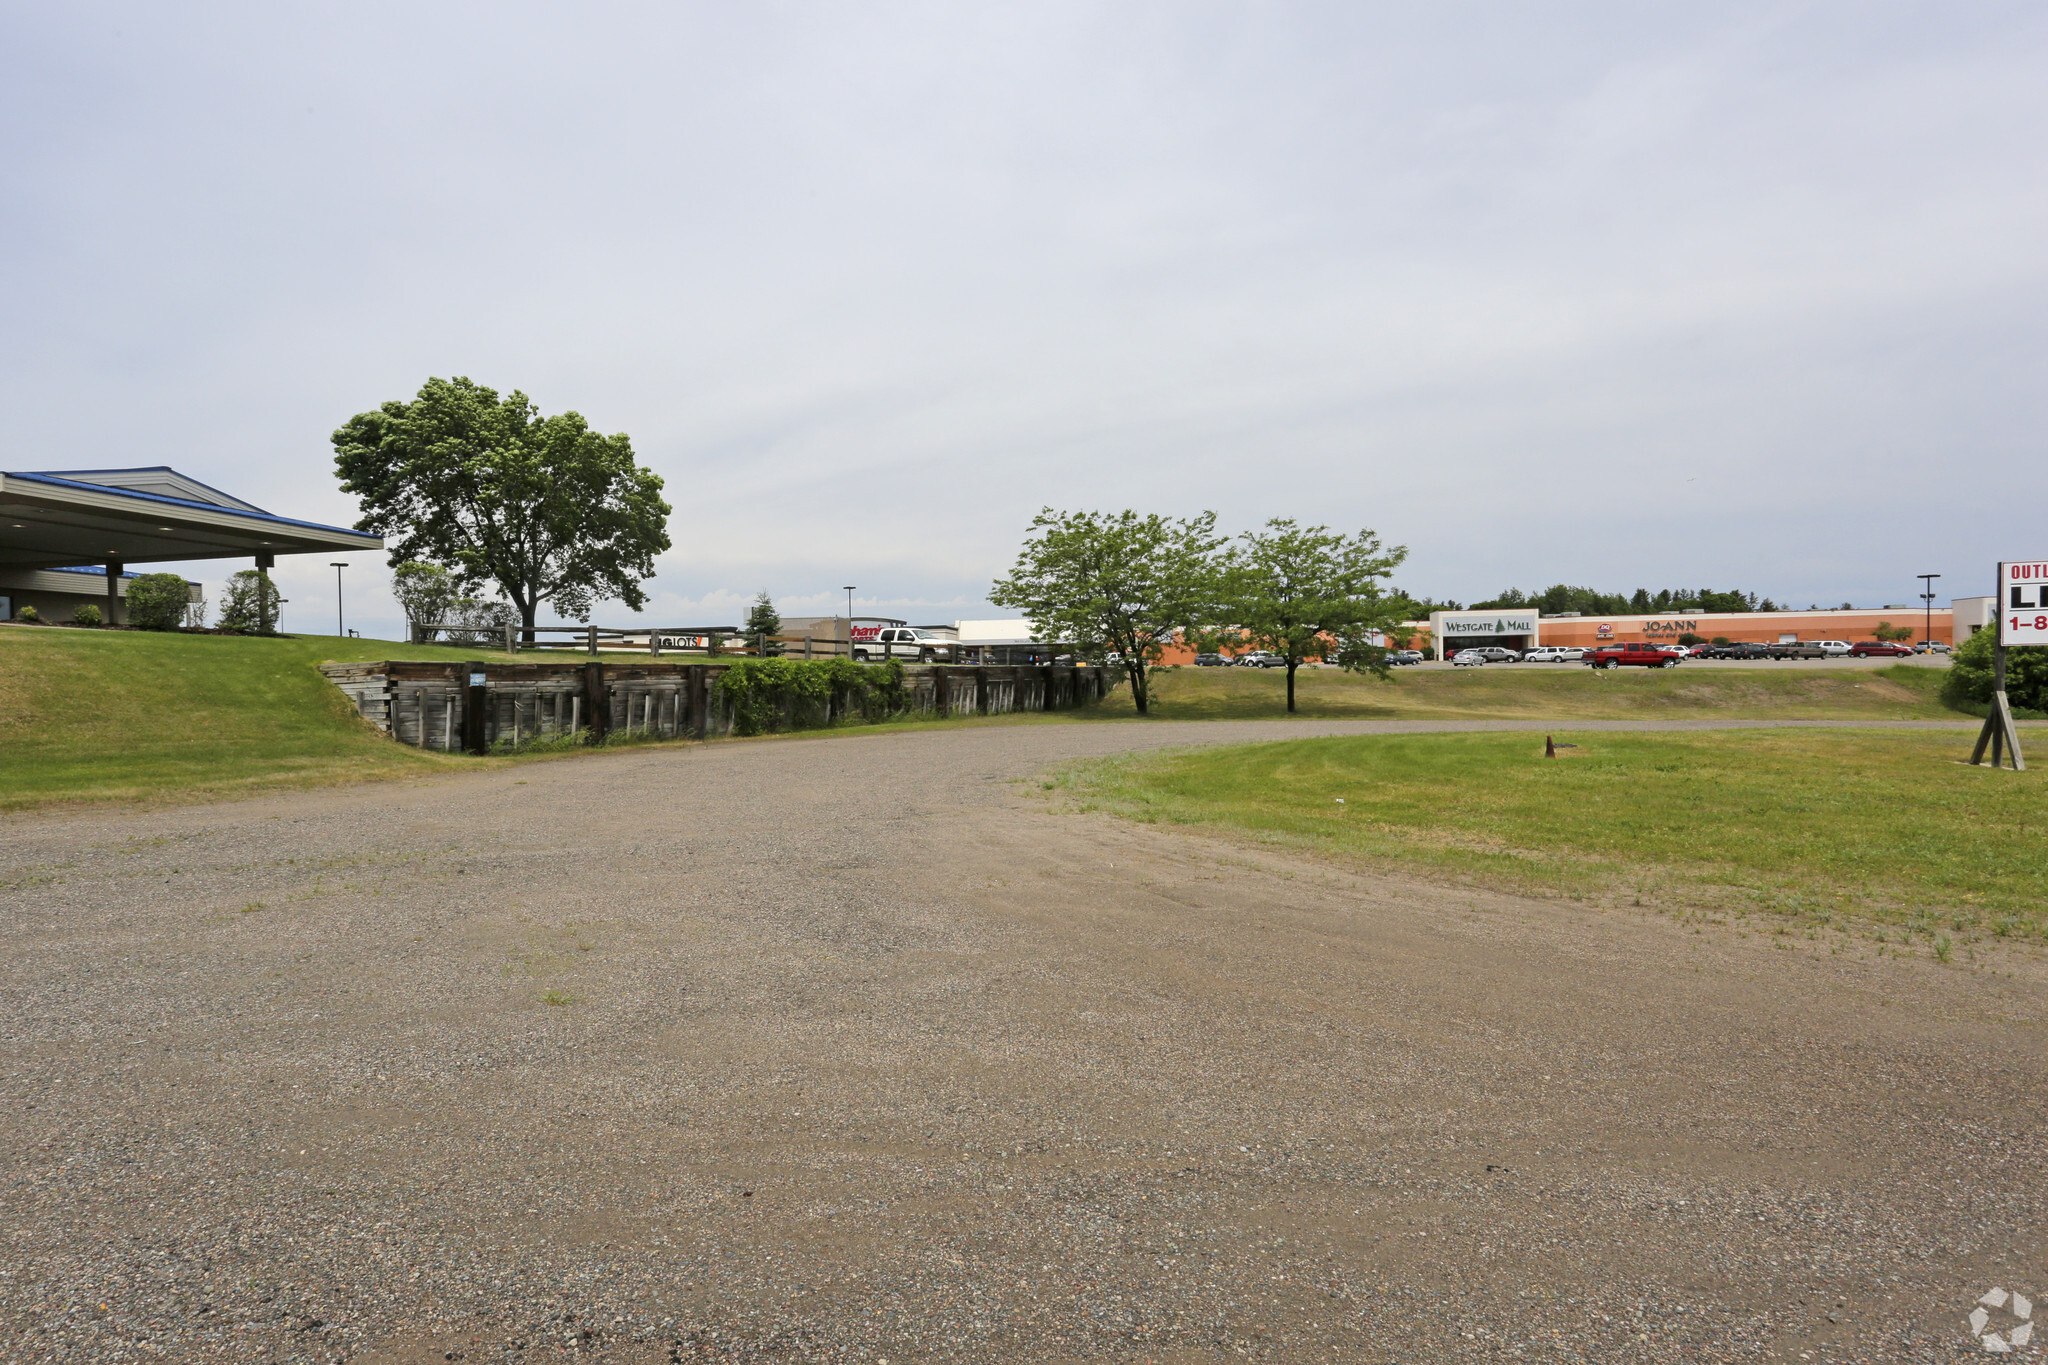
(1549, 747)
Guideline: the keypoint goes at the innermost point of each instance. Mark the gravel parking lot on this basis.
(849, 1049)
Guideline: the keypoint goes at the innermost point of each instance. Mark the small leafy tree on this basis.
(426, 593)
(86, 614)
(1688, 638)
(1970, 674)
(479, 621)
(248, 603)
(545, 507)
(1307, 592)
(1116, 583)
(763, 621)
(1887, 631)
(157, 601)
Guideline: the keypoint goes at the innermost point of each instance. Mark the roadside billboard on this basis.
(2023, 602)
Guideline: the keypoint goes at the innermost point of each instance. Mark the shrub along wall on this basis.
(436, 706)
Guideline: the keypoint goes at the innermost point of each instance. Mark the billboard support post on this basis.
(2016, 578)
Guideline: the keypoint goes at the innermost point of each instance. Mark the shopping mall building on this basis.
(1521, 628)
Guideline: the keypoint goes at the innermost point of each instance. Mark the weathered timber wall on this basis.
(427, 704)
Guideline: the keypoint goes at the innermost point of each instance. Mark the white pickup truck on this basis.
(901, 642)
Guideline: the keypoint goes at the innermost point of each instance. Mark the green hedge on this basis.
(756, 692)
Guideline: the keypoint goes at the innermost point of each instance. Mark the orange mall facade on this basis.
(1460, 629)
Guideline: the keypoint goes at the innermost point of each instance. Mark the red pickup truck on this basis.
(1632, 652)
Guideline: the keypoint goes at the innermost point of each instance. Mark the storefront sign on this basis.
(1489, 625)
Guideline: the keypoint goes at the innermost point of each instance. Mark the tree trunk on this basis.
(1291, 666)
(526, 614)
(1136, 670)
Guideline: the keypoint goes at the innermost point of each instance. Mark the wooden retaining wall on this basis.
(429, 704)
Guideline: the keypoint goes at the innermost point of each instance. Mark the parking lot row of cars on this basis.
(1635, 653)
(1648, 654)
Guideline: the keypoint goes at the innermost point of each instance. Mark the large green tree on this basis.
(1114, 583)
(1307, 592)
(546, 508)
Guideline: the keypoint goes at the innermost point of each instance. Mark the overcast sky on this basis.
(1624, 295)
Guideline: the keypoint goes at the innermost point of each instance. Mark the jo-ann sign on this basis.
(2023, 602)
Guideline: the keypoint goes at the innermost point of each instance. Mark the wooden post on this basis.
(475, 734)
(696, 681)
(593, 642)
(594, 702)
(1999, 732)
(942, 692)
(511, 639)
(980, 691)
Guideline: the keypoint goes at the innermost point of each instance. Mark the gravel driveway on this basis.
(848, 1049)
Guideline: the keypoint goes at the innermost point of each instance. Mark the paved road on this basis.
(860, 1054)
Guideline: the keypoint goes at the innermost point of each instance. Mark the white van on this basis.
(1553, 654)
(1834, 649)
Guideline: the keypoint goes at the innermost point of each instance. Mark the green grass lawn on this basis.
(128, 715)
(1883, 830)
(1555, 691)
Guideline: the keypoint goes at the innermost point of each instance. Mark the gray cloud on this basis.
(1616, 294)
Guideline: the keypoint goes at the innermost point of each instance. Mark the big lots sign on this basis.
(2023, 602)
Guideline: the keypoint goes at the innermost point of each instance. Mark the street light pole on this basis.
(1927, 604)
(339, 565)
(849, 620)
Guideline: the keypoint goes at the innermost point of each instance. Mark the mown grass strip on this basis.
(1884, 830)
(1794, 691)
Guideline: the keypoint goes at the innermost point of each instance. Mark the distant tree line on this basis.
(1561, 599)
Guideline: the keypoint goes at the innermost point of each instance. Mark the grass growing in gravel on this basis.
(1875, 829)
(1801, 691)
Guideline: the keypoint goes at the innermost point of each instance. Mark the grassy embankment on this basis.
(1860, 831)
(131, 716)
(124, 715)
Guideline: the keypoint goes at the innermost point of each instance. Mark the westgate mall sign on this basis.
(1490, 625)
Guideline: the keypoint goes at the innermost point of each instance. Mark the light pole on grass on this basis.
(1927, 601)
(339, 565)
(849, 620)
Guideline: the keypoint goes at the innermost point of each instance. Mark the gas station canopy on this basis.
(144, 516)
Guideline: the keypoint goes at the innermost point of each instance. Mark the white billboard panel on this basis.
(2023, 602)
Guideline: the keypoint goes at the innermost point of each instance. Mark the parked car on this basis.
(904, 642)
(1743, 649)
(1405, 656)
(1881, 649)
(1210, 661)
(1630, 654)
(1259, 658)
(1835, 649)
(1930, 647)
(1468, 658)
(1798, 649)
(1494, 654)
(1553, 654)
